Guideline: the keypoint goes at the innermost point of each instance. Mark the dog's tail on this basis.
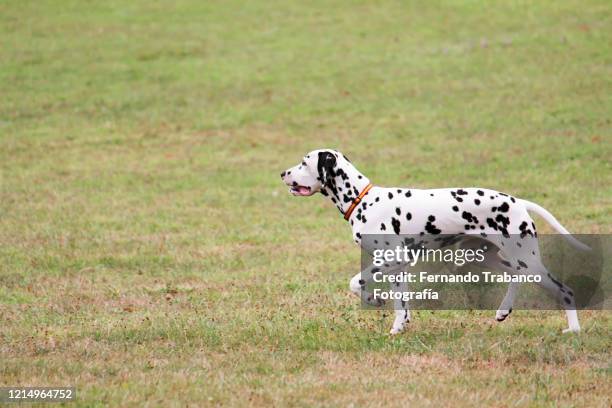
(543, 212)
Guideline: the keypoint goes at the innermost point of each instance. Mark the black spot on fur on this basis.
(524, 230)
(491, 223)
(477, 201)
(455, 208)
(396, 225)
(468, 217)
(390, 196)
(556, 282)
(430, 227)
(504, 207)
(480, 193)
(382, 227)
(398, 211)
(408, 216)
(408, 193)
(505, 221)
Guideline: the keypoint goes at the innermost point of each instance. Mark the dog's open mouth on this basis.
(300, 190)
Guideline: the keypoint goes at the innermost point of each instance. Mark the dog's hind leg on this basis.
(566, 297)
(558, 290)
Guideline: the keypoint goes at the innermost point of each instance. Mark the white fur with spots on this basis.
(478, 212)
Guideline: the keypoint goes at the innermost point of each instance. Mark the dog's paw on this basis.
(397, 328)
(502, 314)
(571, 330)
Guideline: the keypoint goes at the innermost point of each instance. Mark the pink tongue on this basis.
(303, 190)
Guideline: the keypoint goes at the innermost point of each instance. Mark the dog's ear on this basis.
(325, 167)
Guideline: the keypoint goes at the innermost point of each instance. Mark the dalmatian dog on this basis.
(470, 212)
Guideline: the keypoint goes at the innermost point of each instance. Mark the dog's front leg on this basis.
(358, 284)
(402, 313)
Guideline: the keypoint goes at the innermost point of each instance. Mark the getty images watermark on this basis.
(475, 272)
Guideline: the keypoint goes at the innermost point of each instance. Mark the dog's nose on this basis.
(282, 174)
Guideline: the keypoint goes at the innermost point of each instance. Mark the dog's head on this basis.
(316, 172)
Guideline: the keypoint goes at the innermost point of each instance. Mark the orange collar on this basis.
(357, 200)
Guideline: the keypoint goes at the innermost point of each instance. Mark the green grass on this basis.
(151, 255)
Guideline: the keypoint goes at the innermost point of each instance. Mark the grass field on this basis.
(151, 255)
